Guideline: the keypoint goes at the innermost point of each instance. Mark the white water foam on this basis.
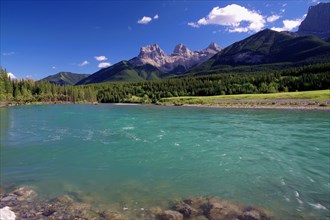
(317, 206)
(89, 135)
(310, 179)
(128, 128)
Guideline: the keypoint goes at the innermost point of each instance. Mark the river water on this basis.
(149, 155)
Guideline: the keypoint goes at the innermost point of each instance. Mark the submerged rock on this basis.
(214, 208)
(16, 197)
(7, 214)
(170, 215)
(187, 210)
(25, 193)
(111, 215)
(23, 204)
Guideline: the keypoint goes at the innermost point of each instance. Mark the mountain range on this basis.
(181, 57)
(265, 50)
(153, 63)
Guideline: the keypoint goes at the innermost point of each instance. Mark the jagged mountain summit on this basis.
(180, 60)
(317, 21)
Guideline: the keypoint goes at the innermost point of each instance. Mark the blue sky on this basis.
(41, 38)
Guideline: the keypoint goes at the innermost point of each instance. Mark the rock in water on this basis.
(171, 215)
(7, 214)
(25, 193)
(317, 21)
(214, 208)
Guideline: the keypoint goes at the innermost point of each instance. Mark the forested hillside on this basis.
(312, 77)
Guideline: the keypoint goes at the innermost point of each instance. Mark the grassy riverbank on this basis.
(319, 99)
(307, 99)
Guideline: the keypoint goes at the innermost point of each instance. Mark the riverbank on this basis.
(8, 104)
(24, 203)
(237, 104)
(275, 104)
(309, 100)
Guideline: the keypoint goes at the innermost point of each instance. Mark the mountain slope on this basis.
(317, 21)
(268, 48)
(123, 71)
(65, 78)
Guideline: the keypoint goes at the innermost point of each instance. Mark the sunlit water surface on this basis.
(148, 155)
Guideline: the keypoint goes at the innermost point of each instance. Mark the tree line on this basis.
(30, 91)
(312, 77)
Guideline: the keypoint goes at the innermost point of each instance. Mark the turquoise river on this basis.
(149, 155)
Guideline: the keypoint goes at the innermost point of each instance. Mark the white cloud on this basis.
(53, 67)
(144, 20)
(284, 5)
(233, 16)
(273, 18)
(156, 16)
(288, 25)
(104, 65)
(84, 63)
(8, 53)
(11, 76)
(193, 24)
(100, 58)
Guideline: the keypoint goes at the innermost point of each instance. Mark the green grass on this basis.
(318, 96)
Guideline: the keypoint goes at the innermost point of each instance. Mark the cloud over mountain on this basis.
(237, 18)
(100, 58)
(288, 25)
(144, 20)
(147, 19)
(273, 18)
(84, 63)
(104, 65)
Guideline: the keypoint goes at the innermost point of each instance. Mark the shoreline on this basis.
(4, 104)
(25, 203)
(275, 107)
(228, 105)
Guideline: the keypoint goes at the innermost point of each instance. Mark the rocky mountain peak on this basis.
(317, 21)
(151, 51)
(181, 58)
(214, 46)
(182, 50)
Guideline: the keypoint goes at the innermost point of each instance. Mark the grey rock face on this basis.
(181, 56)
(317, 21)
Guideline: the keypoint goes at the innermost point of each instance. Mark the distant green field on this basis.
(319, 96)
